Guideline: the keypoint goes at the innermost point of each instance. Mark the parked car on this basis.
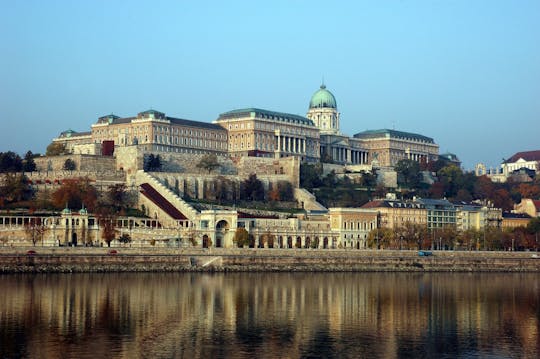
(112, 252)
(425, 253)
(31, 252)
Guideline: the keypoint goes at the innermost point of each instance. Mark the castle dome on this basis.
(323, 99)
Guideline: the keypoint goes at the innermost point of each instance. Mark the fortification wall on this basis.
(83, 162)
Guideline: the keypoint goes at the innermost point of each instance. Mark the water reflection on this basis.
(266, 315)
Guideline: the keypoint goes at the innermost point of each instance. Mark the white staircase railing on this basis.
(184, 207)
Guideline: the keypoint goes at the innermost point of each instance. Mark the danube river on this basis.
(270, 315)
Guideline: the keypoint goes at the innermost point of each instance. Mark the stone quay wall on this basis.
(65, 260)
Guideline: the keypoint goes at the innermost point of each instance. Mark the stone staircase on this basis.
(185, 208)
(308, 200)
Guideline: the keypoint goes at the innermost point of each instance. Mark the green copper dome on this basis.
(322, 98)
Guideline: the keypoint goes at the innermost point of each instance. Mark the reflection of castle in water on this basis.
(196, 315)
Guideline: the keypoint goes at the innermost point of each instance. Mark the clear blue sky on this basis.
(466, 73)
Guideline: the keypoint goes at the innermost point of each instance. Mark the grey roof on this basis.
(437, 203)
(176, 121)
(190, 123)
(393, 134)
(277, 116)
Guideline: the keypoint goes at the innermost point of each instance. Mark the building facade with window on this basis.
(262, 133)
(396, 213)
(380, 148)
(154, 131)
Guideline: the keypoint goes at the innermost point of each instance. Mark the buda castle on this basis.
(255, 132)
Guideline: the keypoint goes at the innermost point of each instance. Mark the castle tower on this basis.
(323, 111)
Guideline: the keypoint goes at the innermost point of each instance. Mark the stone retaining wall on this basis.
(137, 260)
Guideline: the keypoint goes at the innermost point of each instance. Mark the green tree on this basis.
(15, 187)
(451, 177)
(408, 172)
(125, 238)
(118, 197)
(29, 165)
(252, 189)
(69, 165)
(209, 162)
(10, 162)
(152, 163)
(310, 176)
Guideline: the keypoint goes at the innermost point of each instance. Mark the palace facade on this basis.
(257, 132)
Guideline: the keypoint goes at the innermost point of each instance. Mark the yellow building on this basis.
(388, 147)
(395, 214)
(262, 133)
(352, 225)
(155, 131)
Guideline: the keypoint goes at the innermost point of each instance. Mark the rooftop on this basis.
(393, 134)
(156, 115)
(266, 114)
(527, 156)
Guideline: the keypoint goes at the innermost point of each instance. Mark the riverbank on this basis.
(68, 260)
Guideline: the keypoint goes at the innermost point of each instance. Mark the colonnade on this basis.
(291, 144)
(418, 157)
(346, 155)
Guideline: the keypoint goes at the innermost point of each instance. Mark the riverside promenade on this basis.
(125, 259)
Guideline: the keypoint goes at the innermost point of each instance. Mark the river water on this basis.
(270, 315)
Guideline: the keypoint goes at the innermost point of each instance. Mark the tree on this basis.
(501, 199)
(310, 176)
(410, 235)
(75, 193)
(10, 162)
(29, 165)
(34, 228)
(451, 177)
(534, 228)
(106, 217)
(252, 189)
(241, 237)
(281, 191)
(125, 238)
(118, 197)
(15, 188)
(484, 187)
(56, 149)
(209, 162)
(408, 172)
(152, 163)
(69, 165)
(380, 238)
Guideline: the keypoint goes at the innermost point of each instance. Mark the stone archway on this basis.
(289, 242)
(222, 228)
(298, 243)
(325, 243)
(307, 243)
